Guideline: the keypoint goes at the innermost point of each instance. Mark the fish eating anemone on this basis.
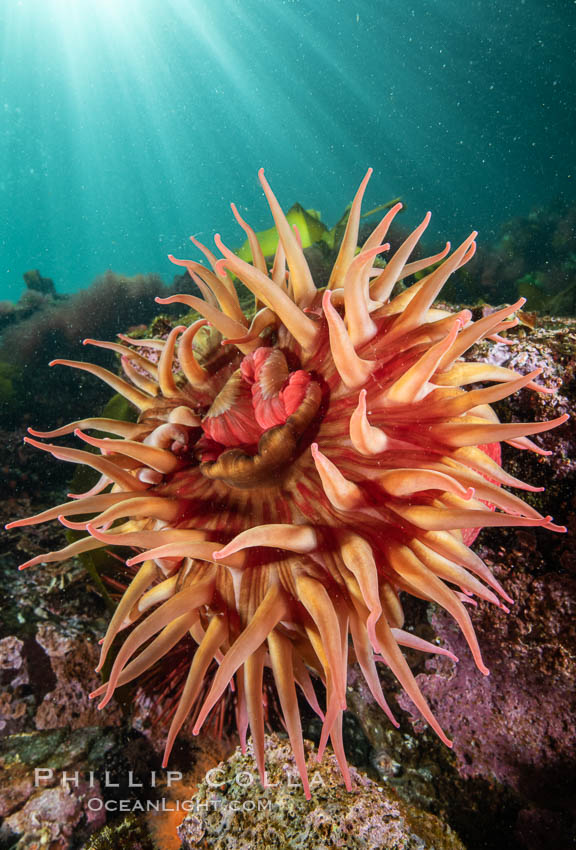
(294, 473)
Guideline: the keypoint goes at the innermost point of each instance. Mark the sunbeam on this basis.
(119, 118)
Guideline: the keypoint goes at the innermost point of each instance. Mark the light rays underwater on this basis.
(120, 121)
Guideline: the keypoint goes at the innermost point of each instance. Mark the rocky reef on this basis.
(231, 811)
(534, 256)
(43, 322)
(40, 294)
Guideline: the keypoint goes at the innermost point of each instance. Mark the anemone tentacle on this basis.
(287, 483)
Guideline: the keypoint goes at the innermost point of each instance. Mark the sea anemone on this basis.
(291, 475)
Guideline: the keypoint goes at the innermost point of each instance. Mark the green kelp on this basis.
(310, 227)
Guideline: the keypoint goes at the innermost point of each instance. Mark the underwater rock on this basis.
(50, 817)
(72, 661)
(38, 806)
(52, 620)
(541, 829)
(534, 256)
(130, 834)
(40, 294)
(111, 302)
(37, 331)
(8, 313)
(74, 780)
(232, 810)
(154, 828)
(516, 726)
(32, 300)
(34, 280)
(21, 475)
(13, 680)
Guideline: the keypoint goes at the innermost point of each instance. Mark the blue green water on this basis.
(127, 125)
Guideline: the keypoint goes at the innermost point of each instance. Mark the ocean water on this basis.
(127, 125)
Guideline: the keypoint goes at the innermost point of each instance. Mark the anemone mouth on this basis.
(277, 449)
(253, 430)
